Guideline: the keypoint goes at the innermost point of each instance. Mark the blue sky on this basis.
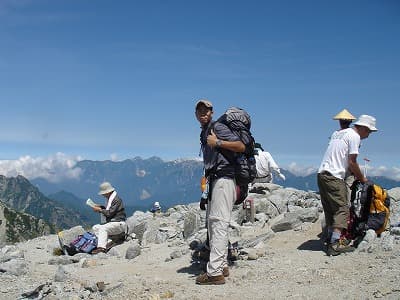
(117, 79)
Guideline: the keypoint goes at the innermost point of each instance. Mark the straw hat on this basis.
(106, 188)
(344, 115)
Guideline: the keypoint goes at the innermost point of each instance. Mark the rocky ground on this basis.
(293, 266)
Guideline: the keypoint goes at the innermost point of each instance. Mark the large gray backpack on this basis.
(239, 121)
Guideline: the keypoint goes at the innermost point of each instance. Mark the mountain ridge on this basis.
(140, 182)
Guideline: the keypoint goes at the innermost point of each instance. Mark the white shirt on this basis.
(341, 145)
(265, 164)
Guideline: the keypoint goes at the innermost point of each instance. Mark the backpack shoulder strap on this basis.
(206, 131)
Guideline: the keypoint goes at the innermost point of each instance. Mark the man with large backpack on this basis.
(219, 146)
(341, 155)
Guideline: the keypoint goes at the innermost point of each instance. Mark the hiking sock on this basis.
(335, 237)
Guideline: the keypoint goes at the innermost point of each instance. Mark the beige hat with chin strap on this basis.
(106, 188)
(344, 115)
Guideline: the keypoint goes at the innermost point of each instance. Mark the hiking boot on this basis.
(99, 250)
(339, 247)
(225, 272)
(204, 279)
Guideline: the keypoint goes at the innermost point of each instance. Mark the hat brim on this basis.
(372, 128)
(106, 191)
(206, 103)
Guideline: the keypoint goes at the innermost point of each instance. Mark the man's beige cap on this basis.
(344, 115)
(205, 102)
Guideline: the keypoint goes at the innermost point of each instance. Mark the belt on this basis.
(263, 177)
(326, 173)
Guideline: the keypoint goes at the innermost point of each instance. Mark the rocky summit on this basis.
(276, 252)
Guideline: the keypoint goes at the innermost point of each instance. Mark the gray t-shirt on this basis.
(216, 160)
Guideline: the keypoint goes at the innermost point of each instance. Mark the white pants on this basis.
(223, 196)
(103, 230)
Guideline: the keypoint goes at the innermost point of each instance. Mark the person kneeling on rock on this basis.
(114, 215)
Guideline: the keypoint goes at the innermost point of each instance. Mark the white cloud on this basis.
(389, 172)
(114, 157)
(301, 170)
(140, 173)
(392, 172)
(54, 168)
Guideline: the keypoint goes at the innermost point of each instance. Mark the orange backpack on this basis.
(379, 209)
(370, 209)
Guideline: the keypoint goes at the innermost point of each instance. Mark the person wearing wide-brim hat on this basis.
(345, 118)
(340, 156)
(114, 215)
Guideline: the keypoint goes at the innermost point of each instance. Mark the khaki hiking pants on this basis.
(219, 211)
(333, 193)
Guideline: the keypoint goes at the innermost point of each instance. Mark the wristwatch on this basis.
(218, 143)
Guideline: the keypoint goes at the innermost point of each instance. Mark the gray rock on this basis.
(289, 221)
(252, 254)
(395, 230)
(161, 237)
(15, 267)
(133, 250)
(71, 234)
(264, 205)
(308, 214)
(370, 236)
(61, 274)
(10, 252)
(61, 260)
(388, 243)
(176, 254)
(250, 243)
(151, 231)
(395, 193)
(191, 223)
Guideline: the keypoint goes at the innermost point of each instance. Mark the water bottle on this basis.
(204, 194)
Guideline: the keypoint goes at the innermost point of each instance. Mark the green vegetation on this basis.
(21, 226)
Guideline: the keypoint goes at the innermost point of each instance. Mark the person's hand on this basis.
(203, 203)
(212, 139)
(282, 176)
(97, 208)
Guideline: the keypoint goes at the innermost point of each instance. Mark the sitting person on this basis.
(265, 165)
(156, 208)
(114, 214)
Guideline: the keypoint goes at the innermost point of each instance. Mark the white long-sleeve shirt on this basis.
(265, 164)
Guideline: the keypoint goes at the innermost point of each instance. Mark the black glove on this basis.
(203, 203)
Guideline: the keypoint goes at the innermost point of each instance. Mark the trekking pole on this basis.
(366, 161)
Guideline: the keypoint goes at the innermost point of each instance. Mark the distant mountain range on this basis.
(309, 182)
(141, 182)
(18, 194)
(26, 212)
